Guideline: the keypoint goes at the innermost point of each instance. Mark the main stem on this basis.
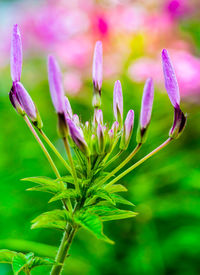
(42, 146)
(66, 143)
(55, 150)
(140, 162)
(63, 250)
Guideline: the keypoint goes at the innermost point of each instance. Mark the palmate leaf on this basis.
(91, 223)
(115, 188)
(6, 256)
(66, 194)
(67, 179)
(45, 185)
(53, 219)
(109, 213)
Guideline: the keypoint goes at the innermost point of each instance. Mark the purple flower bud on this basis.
(147, 103)
(115, 127)
(77, 136)
(76, 120)
(179, 123)
(25, 101)
(171, 83)
(15, 101)
(68, 108)
(16, 55)
(98, 117)
(111, 134)
(118, 101)
(127, 130)
(100, 137)
(55, 84)
(97, 71)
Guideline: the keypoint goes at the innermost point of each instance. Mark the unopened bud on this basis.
(127, 130)
(100, 137)
(77, 136)
(97, 74)
(118, 102)
(179, 123)
(98, 117)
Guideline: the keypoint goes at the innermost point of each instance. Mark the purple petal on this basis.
(97, 72)
(26, 101)
(171, 83)
(115, 126)
(77, 136)
(98, 116)
(117, 100)
(16, 55)
(68, 108)
(147, 103)
(76, 120)
(55, 84)
(128, 125)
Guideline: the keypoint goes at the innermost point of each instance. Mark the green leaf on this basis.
(19, 263)
(108, 213)
(119, 199)
(45, 185)
(53, 219)
(6, 256)
(116, 188)
(38, 261)
(68, 193)
(67, 179)
(91, 223)
(102, 194)
(29, 256)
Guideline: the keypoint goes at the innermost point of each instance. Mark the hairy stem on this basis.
(54, 168)
(132, 154)
(55, 150)
(63, 250)
(66, 143)
(140, 162)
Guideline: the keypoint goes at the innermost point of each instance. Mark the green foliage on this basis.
(67, 194)
(109, 213)
(45, 185)
(6, 256)
(53, 219)
(23, 263)
(92, 224)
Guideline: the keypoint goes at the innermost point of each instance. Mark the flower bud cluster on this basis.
(94, 138)
(18, 95)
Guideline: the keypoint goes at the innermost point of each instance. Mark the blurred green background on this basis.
(164, 237)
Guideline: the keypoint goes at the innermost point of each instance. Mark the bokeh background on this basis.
(165, 237)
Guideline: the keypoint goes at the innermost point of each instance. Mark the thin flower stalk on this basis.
(163, 145)
(55, 150)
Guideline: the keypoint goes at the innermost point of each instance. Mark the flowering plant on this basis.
(88, 193)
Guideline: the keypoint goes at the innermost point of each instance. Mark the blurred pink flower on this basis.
(186, 65)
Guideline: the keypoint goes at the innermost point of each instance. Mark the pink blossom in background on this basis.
(127, 29)
(187, 69)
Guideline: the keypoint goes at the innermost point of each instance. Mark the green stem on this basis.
(139, 162)
(54, 168)
(63, 250)
(72, 163)
(121, 165)
(55, 150)
(113, 159)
